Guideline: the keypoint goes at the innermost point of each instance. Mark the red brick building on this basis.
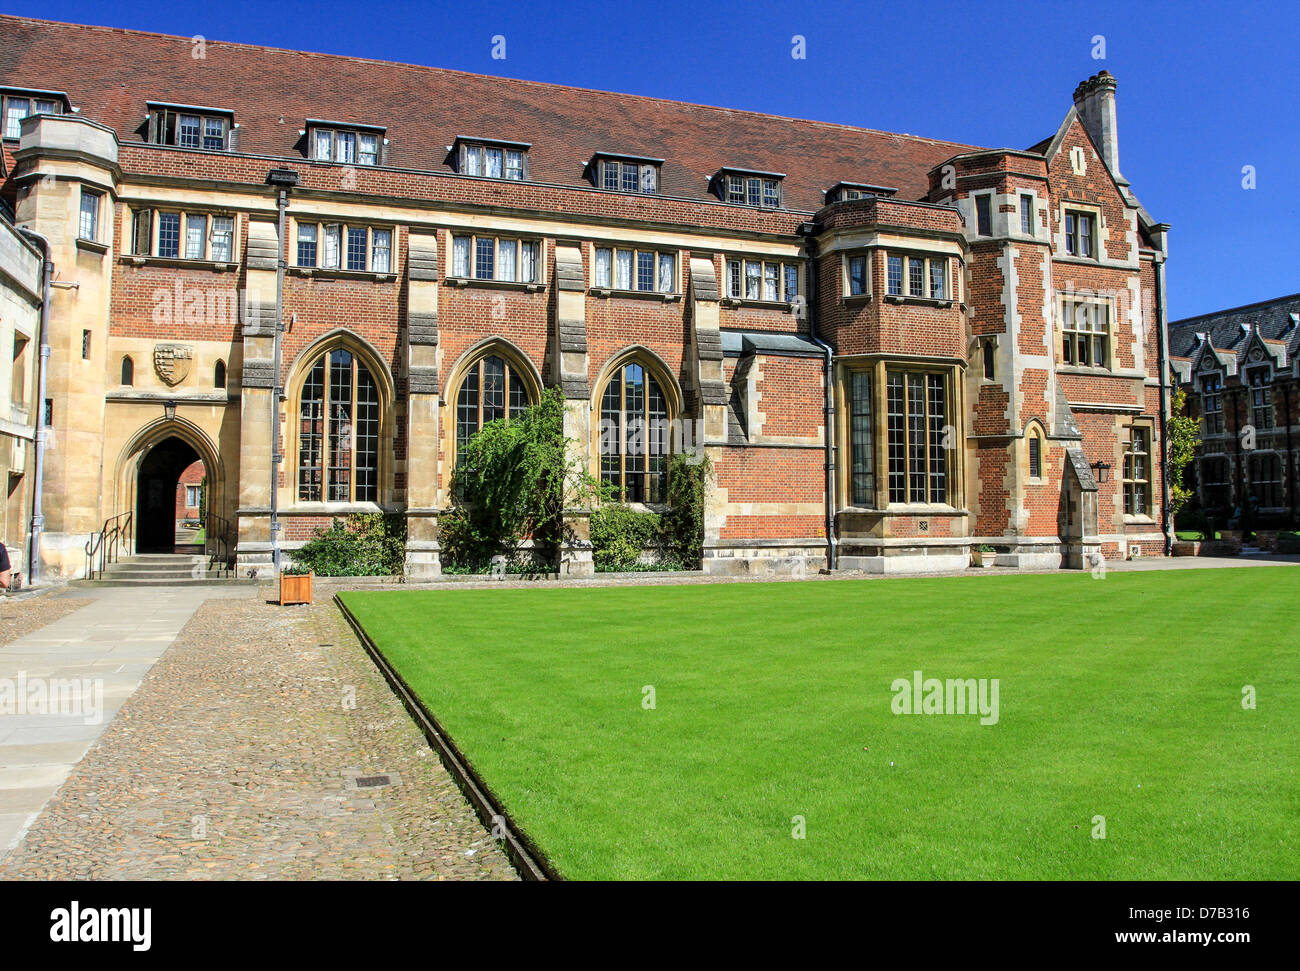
(894, 349)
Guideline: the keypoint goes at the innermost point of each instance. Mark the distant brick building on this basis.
(894, 349)
(189, 494)
(1241, 371)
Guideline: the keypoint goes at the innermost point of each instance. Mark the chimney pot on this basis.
(1094, 101)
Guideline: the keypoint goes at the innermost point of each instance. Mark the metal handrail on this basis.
(105, 546)
(218, 532)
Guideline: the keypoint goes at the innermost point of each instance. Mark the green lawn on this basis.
(1119, 697)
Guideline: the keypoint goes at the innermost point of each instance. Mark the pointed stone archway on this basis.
(148, 472)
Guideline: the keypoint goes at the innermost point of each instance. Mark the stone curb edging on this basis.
(527, 859)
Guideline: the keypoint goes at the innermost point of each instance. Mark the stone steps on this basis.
(164, 569)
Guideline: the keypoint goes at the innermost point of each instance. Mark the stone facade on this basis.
(872, 353)
(1240, 369)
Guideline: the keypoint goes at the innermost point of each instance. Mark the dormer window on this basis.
(347, 144)
(848, 191)
(207, 129)
(18, 105)
(626, 173)
(744, 188)
(491, 159)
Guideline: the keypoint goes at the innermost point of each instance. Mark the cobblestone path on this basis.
(239, 756)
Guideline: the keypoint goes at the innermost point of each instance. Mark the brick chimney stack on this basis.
(1094, 100)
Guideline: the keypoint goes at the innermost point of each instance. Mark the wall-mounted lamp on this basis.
(169, 409)
(1100, 468)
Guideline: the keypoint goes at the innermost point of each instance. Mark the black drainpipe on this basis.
(832, 544)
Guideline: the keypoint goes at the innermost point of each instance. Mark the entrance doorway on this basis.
(171, 475)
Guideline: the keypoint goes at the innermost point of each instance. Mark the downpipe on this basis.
(832, 543)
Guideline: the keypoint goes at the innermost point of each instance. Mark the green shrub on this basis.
(683, 523)
(362, 545)
(619, 536)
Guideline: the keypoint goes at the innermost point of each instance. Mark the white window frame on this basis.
(618, 166)
(476, 155)
(186, 218)
(470, 270)
(656, 277)
(158, 127)
(736, 289)
(91, 232)
(1069, 305)
(929, 261)
(331, 228)
(1074, 240)
(750, 189)
(333, 150)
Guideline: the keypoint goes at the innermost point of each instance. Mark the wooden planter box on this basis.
(295, 589)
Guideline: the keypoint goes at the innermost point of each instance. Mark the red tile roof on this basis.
(110, 74)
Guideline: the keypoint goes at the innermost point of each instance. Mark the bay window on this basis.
(924, 276)
(863, 476)
(916, 420)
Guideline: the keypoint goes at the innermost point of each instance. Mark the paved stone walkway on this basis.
(66, 681)
(239, 755)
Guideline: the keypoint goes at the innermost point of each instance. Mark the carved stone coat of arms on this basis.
(172, 362)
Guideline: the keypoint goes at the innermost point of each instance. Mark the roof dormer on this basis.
(624, 173)
(489, 158)
(848, 191)
(748, 187)
(192, 126)
(347, 143)
(19, 103)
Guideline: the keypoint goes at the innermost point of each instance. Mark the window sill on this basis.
(1138, 520)
(919, 301)
(1101, 372)
(90, 246)
(351, 165)
(921, 509)
(784, 306)
(854, 298)
(339, 274)
(215, 266)
(464, 281)
(606, 292)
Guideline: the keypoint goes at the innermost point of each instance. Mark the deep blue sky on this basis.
(1204, 89)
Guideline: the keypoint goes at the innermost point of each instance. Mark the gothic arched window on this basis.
(633, 438)
(338, 431)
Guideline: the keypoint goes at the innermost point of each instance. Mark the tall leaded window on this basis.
(917, 418)
(864, 478)
(1212, 404)
(1215, 488)
(1261, 398)
(1265, 472)
(492, 389)
(338, 431)
(634, 435)
(1137, 472)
